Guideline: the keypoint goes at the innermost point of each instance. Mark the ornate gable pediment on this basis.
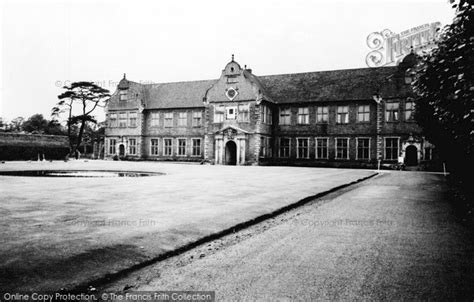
(235, 84)
(231, 131)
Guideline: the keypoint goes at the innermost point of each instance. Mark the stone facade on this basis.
(353, 118)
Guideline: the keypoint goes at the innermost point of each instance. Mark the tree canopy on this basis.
(35, 124)
(445, 88)
(79, 101)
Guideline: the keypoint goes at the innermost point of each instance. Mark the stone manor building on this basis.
(350, 118)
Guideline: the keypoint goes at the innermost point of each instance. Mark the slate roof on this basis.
(177, 95)
(334, 85)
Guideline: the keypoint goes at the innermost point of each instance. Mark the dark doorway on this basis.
(230, 153)
(411, 156)
(121, 150)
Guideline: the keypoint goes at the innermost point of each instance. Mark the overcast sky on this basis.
(46, 43)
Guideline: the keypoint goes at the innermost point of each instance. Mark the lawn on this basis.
(60, 232)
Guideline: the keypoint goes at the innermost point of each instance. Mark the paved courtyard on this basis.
(392, 237)
(60, 232)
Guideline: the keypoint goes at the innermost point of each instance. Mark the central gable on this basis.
(235, 84)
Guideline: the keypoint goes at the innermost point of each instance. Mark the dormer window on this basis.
(123, 95)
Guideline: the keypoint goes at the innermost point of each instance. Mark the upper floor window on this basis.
(168, 119)
(243, 114)
(322, 114)
(122, 119)
(132, 146)
(197, 119)
(132, 119)
(266, 115)
(155, 119)
(231, 113)
(391, 112)
(303, 115)
(123, 95)
(182, 119)
(285, 116)
(113, 120)
(409, 110)
(363, 113)
(342, 115)
(219, 114)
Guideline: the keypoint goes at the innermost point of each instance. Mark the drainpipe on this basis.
(379, 120)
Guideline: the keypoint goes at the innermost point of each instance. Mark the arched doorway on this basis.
(230, 153)
(121, 150)
(411, 156)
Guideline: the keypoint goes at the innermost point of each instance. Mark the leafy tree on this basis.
(445, 87)
(36, 124)
(16, 124)
(55, 128)
(87, 96)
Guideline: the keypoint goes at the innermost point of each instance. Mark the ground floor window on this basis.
(132, 146)
(181, 147)
(363, 148)
(428, 154)
(196, 147)
(284, 147)
(265, 147)
(342, 148)
(302, 148)
(154, 147)
(112, 144)
(167, 146)
(322, 148)
(391, 148)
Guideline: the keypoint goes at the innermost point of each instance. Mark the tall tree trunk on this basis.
(69, 126)
(79, 136)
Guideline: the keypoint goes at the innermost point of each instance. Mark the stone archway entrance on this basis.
(231, 153)
(121, 150)
(411, 156)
